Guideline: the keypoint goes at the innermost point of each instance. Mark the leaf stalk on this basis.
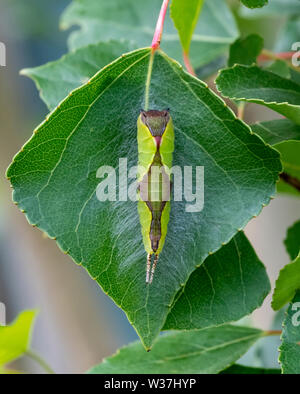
(188, 64)
(159, 26)
(273, 333)
(40, 361)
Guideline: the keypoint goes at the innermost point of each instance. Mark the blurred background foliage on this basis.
(79, 325)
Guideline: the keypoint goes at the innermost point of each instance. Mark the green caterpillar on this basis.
(155, 147)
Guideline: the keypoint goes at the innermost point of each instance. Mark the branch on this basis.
(292, 181)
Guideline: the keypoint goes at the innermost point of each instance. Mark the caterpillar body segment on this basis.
(155, 148)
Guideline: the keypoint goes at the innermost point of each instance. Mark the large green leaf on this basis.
(230, 284)
(15, 338)
(101, 20)
(255, 85)
(288, 281)
(290, 348)
(56, 79)
(254, 3)
(54, 181)
(198, 351)
(185, 16)
(245, 50)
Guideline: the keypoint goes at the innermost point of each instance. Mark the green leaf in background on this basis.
(55, 80)
(237, 369)
(290, 158)
(288, 281)
(230, 284)
(54, 180)
(289, 34)
(290, 348)
(281, 68)
(264, 354)
(185, 17)
(292, 241)
(277, 131)
(255, 85)
(254, 3)
(245, 50)
(102, 20)
(211, 68)
(15, 338)
(198, 351)
(287, 284)
(274, 8)
(284, 135)
(295, 76)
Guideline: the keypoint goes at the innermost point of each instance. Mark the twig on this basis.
(269, 55)
(291, 180)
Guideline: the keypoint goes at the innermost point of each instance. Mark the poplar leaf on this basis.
(15, 338)
(55, 80)
(281, 68)
(207, 351)
(255, 85)
(287, 284)
(277, 131)
(102, 20)
(292, 241)
(288, 281)
(185, 16)
(254, 3)
(54, 178)
(237, 369)
(229, 285)
(274, 8)
(290, 347)
(284, 136)
(245, 50)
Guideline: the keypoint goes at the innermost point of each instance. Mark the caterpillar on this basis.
(155, 137)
